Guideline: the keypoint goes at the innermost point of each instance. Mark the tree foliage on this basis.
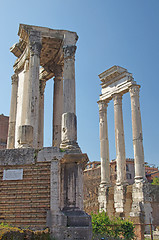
(116, 228)
(155, 181)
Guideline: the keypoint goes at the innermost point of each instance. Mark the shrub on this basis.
(116, 228)
(13, 233)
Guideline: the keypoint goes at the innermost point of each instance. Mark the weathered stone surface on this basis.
(54, 51)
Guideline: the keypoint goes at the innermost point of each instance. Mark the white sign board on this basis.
(13, 174)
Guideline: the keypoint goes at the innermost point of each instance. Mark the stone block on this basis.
(25, 136)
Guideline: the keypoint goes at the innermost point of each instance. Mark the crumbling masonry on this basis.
(44, 186)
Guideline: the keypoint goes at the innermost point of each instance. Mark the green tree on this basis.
(103, 226)
(155, 181)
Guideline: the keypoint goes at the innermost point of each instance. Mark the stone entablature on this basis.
(114, 81)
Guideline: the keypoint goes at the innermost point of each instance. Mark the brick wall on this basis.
(90, 187)
(4, 121)
(25, 202)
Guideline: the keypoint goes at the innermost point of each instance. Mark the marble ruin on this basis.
(42, 54)
(115, 82)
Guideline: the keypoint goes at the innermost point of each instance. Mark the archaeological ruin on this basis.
(139, 201)
(43, 186)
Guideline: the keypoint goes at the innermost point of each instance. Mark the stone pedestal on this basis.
(103, 191)
(141, 203)
(12, 116)
(67, 218)
(119, 198)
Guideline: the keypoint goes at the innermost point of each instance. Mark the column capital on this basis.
(58, 71)
(103, 104)
(42, 84)
(69, 51)
(134, 90)
(117, 98)
(14, 78)
(35, 44)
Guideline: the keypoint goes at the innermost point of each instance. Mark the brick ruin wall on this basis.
(90, 188)
(91, 184)
(26, 202)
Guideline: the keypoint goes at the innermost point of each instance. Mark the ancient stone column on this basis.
(104, 143)
(69, 121)
(41, 113)
(32, 105)
(25, 92)
(13, 110)
(119, 140)
(57, 106)
(137, 133)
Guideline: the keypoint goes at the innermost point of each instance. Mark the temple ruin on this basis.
(138, 201)
(44, 186)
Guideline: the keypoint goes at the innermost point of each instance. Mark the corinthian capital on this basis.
(102, 104)
(14, 78)
(69, 51)
(134, 90)
(35, 43)
(58, 71)
(117, 98)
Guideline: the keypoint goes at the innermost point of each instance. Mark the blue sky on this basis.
(111, 32)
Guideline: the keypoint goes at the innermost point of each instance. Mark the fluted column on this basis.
(32, 102)
(57, 106)
(104, 143)
(69, 120)
(119, 139)
(13, 110)
(137, 133)
(41, 113)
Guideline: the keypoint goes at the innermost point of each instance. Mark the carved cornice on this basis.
(69, 51)
(19, 64)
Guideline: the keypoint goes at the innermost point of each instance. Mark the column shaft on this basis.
(69, 120)
(119, 139)
(104, 143)
(32, 112)
(13, 110)
(69, 79)
(41, 113)
(57, 106)
(137, 133)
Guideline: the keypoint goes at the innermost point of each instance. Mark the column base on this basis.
(71, 146)
(141, 202)
(119, 197)
(140, 179)
(103, 196)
